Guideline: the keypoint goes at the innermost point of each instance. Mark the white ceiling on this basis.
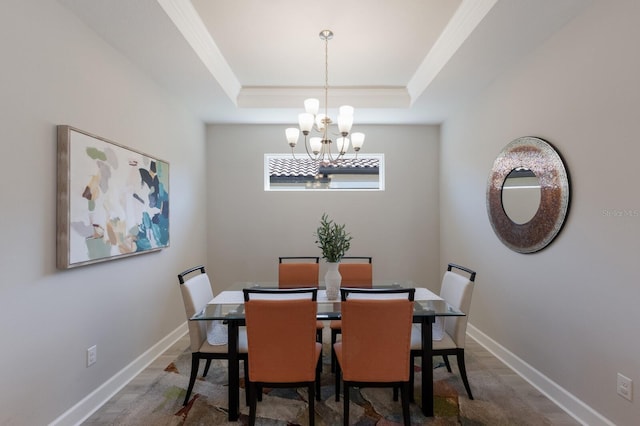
(255, 61)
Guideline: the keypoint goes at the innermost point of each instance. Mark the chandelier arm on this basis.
(329, 153)
(306, 147)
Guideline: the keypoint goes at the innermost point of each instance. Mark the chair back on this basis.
(259, 293)
(296, 272)
(281, 335)
(356, 272)
(456, 290)
(196, 293)
(376, 339)
(377, 293)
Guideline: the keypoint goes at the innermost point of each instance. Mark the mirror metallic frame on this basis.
(539, 156)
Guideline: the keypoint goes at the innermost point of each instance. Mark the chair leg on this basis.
(334, 338)
(246, 382)
(312, 408)
(395, 393)
(195, 363)
(446, 362)
(319, 340)
(463, 371)
(404, 391)
(412, 378)
(337, 378)
(253, 390)
(206, 367)
(317, 381)
(345, 415)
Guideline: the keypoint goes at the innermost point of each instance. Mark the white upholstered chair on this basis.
(196, 293)
(456, 290)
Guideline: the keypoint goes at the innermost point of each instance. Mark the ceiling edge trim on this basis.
(186, 19)
(293, 97)
(464, 21)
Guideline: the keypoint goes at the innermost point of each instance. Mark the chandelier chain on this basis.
(325, 139)
(326, 75)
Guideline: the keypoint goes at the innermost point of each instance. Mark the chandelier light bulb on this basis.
(311, 105)
(305, 120)
(292, 136)
(357, 139)
(344, 123)
(343, 145)
(316, 145)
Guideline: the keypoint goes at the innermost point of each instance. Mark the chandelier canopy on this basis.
(319, 147)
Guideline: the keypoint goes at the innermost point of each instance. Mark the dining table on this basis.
(228, 307)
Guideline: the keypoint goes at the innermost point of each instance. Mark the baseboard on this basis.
(565, 400)
(92, 402)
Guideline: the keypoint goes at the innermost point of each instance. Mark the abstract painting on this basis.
(113, 202)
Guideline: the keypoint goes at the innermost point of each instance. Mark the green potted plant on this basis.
(332, 239)
(334, 242)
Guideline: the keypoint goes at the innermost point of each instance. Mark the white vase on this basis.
(332, 280)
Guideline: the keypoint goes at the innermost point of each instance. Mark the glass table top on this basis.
(229, 304)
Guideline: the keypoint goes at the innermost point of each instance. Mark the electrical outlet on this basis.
(92, 355)
(625, 387)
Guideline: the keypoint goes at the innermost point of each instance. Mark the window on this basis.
(282, 172)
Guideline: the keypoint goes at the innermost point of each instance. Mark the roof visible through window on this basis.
(283, 172)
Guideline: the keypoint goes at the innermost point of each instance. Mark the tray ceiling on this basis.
(253, 61)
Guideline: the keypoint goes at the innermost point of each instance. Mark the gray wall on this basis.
(249, 228)
(56, 71)
(569, 311)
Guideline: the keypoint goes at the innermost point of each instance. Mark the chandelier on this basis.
(319, 147)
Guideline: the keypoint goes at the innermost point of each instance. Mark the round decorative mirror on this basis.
(527, 194)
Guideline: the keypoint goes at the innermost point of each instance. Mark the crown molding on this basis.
(293, 97)
(467, 17)
(186, 19)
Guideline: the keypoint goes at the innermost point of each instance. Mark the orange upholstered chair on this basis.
(296, 272)
(300, 272)
(356, 272)
(376, 343)
(282, 352)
